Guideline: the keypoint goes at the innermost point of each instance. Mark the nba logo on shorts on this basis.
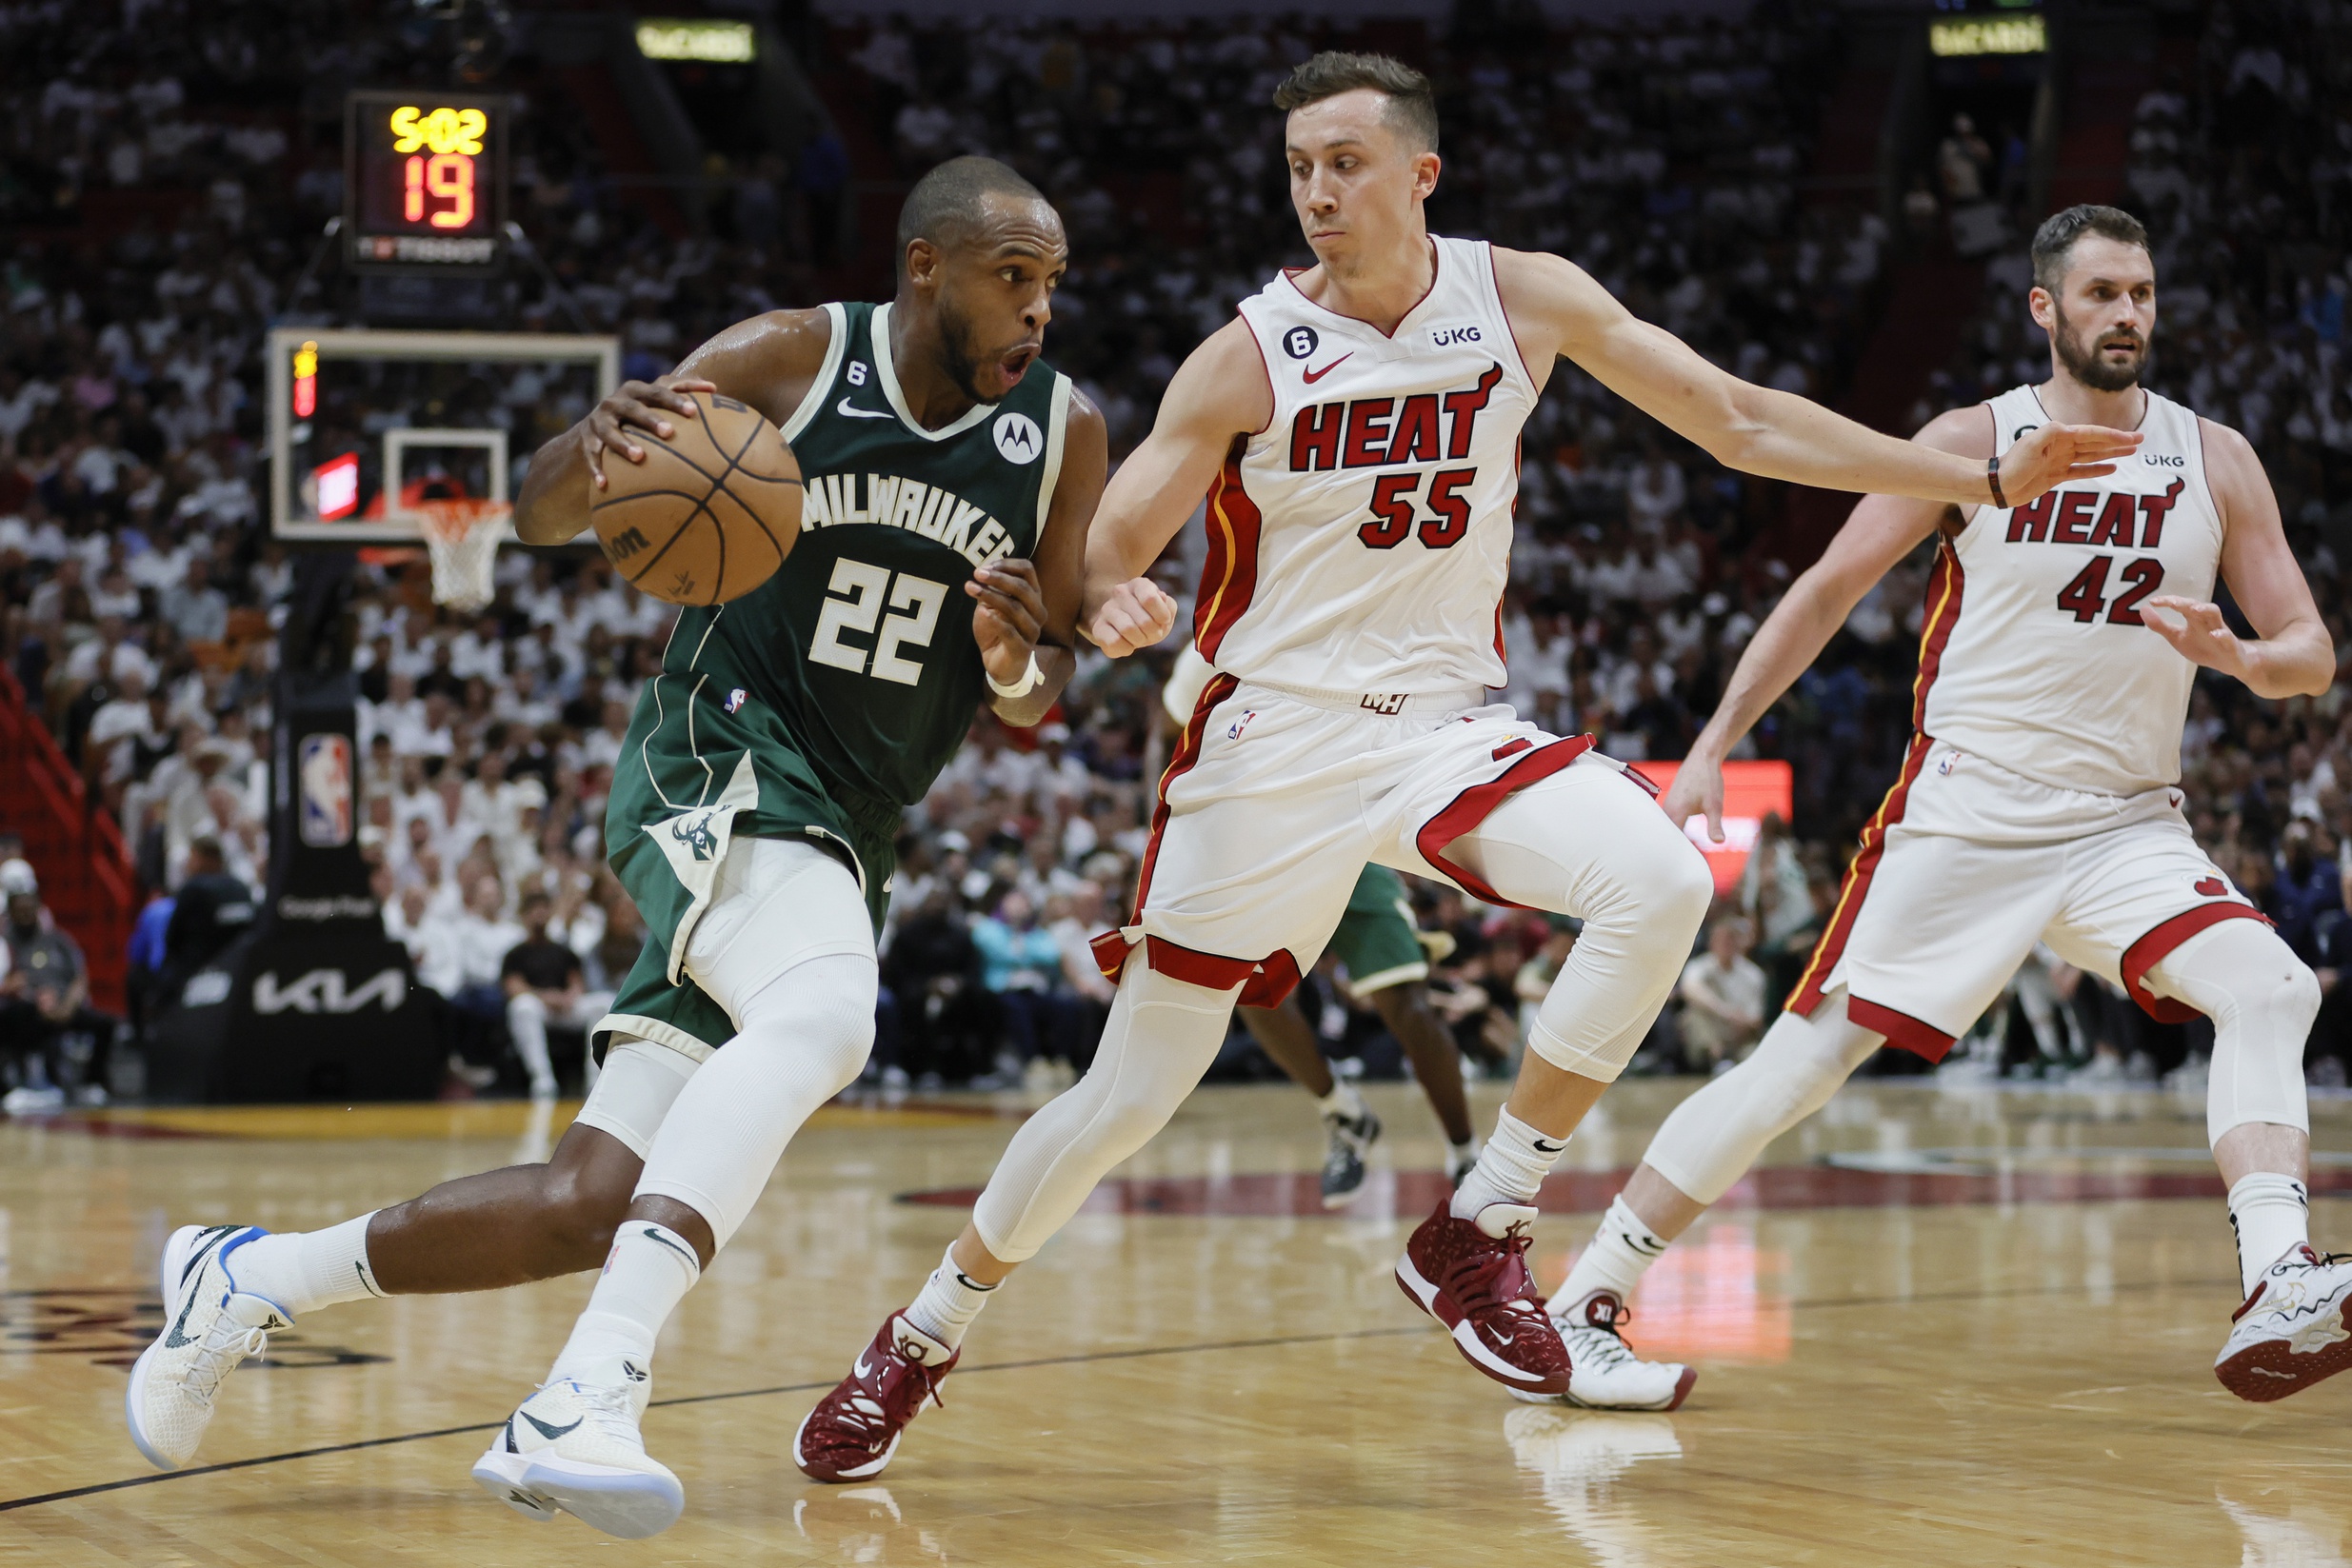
(323, 771)
(736, 699)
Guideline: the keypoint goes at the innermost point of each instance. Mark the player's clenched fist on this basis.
(1135, 615)
(2048, 456)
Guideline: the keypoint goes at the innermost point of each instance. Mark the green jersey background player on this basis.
(1387, 963)
(950, 479)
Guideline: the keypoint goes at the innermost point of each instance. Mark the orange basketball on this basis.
(709, 515)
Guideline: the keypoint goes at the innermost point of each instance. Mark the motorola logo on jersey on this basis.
(2064, 517)
(1446, 337)
(1300, 342)
(1018, 439)
(1372, 432)
(891, 501)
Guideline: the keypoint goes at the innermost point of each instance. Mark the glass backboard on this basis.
(364, 425)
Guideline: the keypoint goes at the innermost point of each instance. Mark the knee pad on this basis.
(1711, 1138)
(821, 1013)
(2263, 1000)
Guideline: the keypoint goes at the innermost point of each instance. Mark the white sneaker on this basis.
(2291, 1332)
(1603, 1373)
(208, 1327)
(573, 1447)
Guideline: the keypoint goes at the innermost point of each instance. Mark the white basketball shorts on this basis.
(1966, 865)
(1274, 801)
(776, 903)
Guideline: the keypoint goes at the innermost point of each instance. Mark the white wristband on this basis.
(1029, 681)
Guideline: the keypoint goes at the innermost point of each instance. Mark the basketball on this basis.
(709, 515)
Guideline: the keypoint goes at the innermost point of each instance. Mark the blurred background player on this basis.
(1387, 963)
(2038, 801)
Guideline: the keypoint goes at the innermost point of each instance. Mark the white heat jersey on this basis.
(2034, 655)
(1361, 542)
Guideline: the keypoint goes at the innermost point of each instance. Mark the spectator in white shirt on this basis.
(1723, 992)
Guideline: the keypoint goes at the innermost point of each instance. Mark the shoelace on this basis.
(610, 1407)
(224, 1344)
(1476, 1281)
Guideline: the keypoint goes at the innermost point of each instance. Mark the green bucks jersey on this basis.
(828, 698)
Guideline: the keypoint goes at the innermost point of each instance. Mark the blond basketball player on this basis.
(2038, 799)
(1357, 431)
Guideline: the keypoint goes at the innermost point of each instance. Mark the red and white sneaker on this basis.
(2291, 1332)
(855, 1430)
(1472, 1274)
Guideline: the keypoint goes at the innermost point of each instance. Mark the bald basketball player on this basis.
(950, 477)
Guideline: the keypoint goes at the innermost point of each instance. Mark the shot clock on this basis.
(425, 180)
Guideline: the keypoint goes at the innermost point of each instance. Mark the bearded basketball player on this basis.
(1357, 432)
(2039, 799)
(950, 477)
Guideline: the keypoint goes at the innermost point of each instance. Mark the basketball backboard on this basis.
(364, 425)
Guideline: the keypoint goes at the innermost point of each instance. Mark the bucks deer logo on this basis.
(694, 832)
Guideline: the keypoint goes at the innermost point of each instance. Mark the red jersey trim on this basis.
(1186, 756)
(1826, 952)
(1234, 527)
(1494, 280)
(2152, 948)
(1474, 804)
(1915, 1035)
(1437, 265)
(1944, 585)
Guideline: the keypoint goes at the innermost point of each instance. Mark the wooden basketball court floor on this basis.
(1942, 1327)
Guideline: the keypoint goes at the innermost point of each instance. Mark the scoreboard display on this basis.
(425, 180)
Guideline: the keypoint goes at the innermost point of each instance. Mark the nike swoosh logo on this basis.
(217, 1233)
(862, 1370)
(175, 1338)
(849, 410)
(1544, 1147)
(1311, 377)
(551, 1433)
(653, 1235)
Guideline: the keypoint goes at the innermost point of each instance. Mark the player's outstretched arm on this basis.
(768, 362)
(1556, 308)
(2292, 656)
(1882, 529)
(1218, 395)
(1029, 609)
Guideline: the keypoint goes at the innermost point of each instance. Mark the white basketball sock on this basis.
(2270, 1212)
(1622, 1251)
(648, 1273)
(1344, 1101)
(1510, 1169)
(947, 1302)
(305, 1270)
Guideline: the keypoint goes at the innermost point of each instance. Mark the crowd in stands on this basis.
(168, 178)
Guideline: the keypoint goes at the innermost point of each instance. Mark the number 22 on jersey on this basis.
(860, 595)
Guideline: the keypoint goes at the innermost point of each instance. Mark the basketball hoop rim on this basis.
(455, 519)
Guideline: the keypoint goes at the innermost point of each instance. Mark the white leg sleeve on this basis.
(804, 1040)
(1714, 1137)
(788, 951)
(1161, 1037)
(2262, 999)
(1590, 843)
(527, 1025)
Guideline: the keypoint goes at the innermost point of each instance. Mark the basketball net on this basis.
(462, 537)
